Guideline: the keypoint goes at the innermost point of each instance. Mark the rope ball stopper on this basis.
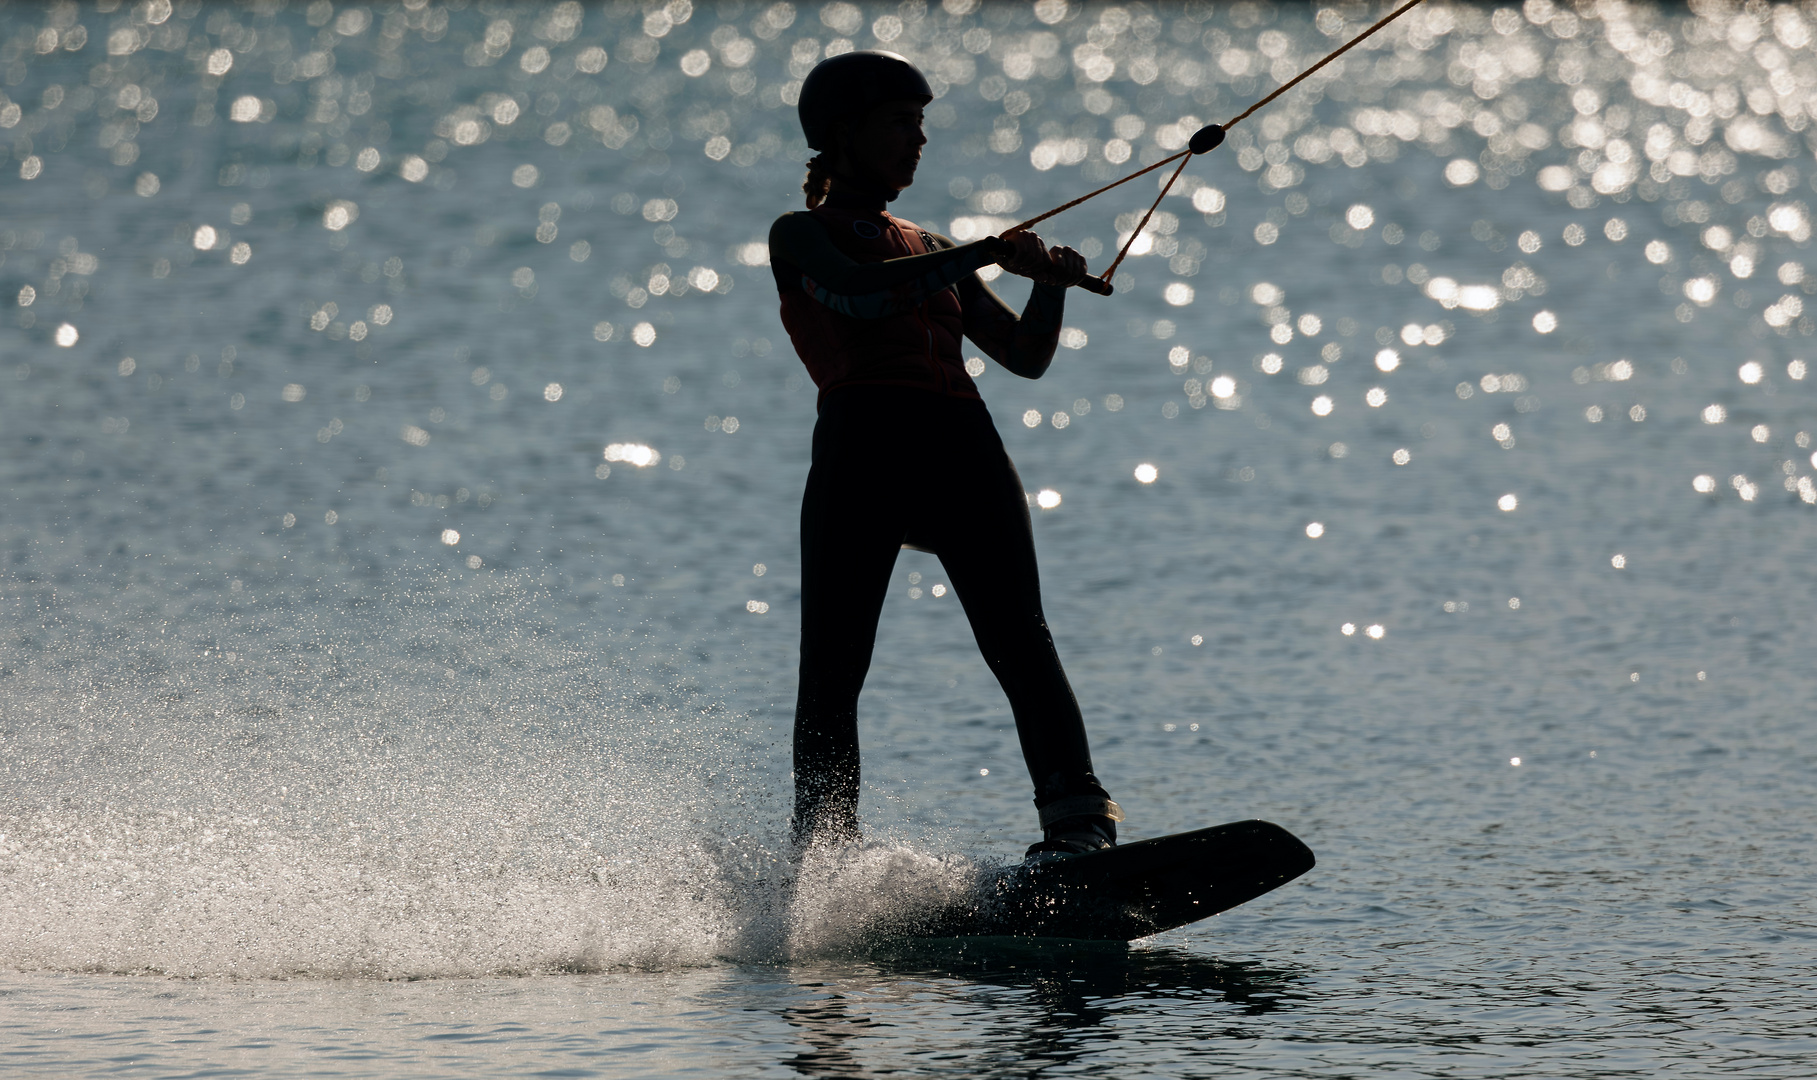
(1207, 138)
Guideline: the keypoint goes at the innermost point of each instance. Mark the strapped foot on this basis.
(1078, 824)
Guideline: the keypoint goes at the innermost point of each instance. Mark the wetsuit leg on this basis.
(984, 539)
(851, 530)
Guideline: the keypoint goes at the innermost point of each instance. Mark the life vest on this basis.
(920, 347)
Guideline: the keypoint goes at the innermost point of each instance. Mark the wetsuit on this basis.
(905, 452)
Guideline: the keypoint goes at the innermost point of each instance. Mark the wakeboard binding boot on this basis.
(1077, 817)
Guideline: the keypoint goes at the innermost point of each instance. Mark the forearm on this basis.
(1024, 345)
(1037, 332)
(872, 290)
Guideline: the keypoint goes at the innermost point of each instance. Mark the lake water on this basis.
(398, 544)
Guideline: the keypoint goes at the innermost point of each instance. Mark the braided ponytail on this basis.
(819, 180)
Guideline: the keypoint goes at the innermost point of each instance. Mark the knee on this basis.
(1018, 637)
(834, 668)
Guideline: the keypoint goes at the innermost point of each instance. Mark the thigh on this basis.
(851, 530)
(982, 532)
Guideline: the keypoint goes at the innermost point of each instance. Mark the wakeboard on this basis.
(1130, 891)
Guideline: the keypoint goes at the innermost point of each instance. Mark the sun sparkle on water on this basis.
(396, 412)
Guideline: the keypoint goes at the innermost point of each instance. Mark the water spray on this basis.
(1204, 140)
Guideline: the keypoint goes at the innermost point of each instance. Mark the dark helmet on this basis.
(849, 85)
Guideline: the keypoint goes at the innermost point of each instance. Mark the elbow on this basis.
(1031, 365)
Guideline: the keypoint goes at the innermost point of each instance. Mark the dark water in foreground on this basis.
(399, 571)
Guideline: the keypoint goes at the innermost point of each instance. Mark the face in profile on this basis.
(886, 143)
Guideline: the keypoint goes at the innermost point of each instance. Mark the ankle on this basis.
(1096, 829)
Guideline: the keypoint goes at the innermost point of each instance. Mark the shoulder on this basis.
(793, 223)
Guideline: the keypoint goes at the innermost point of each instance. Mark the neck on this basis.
(849, 193)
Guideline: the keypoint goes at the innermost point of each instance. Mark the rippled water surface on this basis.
(399, 562)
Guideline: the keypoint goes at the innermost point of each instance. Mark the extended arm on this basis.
(873, 290)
